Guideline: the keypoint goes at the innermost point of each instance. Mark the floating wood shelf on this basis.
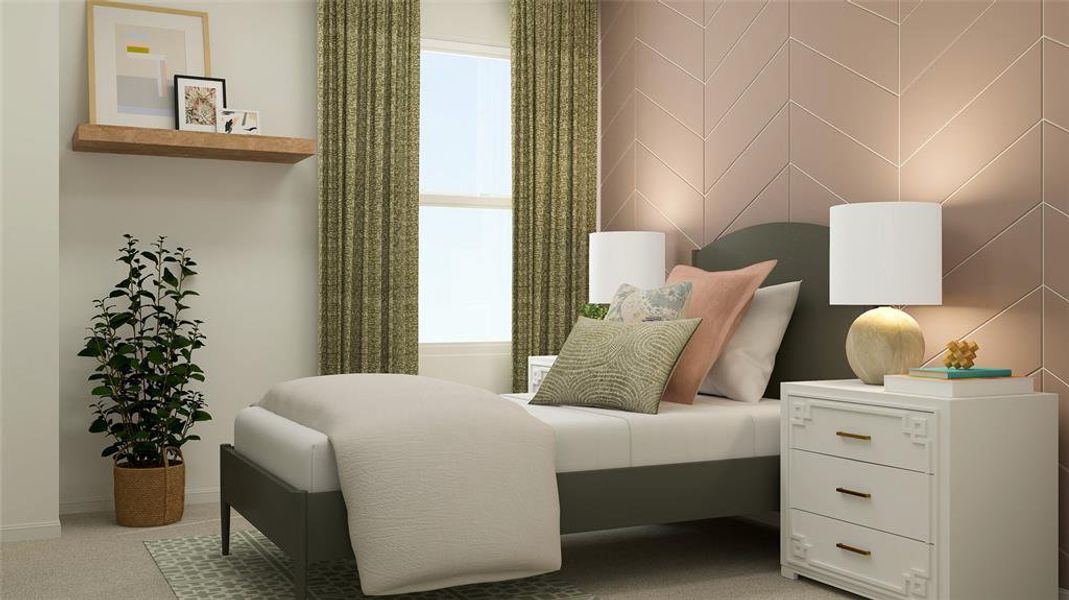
(191, 144)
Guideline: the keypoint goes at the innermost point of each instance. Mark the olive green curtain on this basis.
(368, 55)
(554, 170)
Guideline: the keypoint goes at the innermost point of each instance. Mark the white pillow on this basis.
(744, 368)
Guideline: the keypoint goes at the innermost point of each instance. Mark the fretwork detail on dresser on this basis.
(893, 496)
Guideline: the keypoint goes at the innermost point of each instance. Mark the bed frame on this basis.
(311, 527)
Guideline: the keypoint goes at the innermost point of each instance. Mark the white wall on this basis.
(485, 365)
(251, 227)
(29, 246)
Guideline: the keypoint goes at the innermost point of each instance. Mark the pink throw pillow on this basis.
(720, 300)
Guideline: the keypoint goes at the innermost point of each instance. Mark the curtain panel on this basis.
(368, 60)
(554, 170)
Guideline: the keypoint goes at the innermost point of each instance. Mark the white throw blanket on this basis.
(444, 484)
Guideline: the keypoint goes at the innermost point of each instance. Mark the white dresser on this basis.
(900, 496)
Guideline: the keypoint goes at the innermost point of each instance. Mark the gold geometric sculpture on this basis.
(960, 355)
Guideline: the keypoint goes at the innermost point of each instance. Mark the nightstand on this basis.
(537, 367)
(895, 496)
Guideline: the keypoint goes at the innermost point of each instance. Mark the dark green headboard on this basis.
(813, 347)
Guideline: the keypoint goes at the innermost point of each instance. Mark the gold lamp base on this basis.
(884, 341)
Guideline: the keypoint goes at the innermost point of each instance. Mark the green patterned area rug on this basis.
(256, 568)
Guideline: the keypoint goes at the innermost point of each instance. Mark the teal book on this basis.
(945, 373)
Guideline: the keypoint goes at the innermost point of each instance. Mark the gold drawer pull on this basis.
(853, 549)
(850, 492)
(854, 436)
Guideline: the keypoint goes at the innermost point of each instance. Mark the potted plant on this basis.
(143, 396)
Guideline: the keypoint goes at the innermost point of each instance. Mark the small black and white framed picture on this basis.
(238, 122)
(197, 101)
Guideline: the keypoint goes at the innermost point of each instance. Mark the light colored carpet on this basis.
(726, 558)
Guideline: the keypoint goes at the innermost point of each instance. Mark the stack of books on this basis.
(959, 383)
(970, 373)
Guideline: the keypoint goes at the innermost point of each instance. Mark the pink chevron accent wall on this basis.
(721, 114)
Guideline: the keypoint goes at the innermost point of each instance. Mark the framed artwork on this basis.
(197, 101)
(134, 53)
(238, 122)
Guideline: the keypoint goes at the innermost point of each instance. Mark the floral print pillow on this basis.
(632, 304)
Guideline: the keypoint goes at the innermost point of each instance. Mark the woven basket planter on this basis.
(150, 497)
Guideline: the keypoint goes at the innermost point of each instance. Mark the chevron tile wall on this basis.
(721, 114)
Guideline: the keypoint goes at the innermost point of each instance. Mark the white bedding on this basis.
(444, 484)
(587, 438)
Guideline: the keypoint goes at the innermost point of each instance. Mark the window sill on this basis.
(465, 348)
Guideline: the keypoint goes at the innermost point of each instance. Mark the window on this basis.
(465, 220)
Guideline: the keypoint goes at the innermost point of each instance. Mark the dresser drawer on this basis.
(884, 436)
(890, 563)
(886, 498)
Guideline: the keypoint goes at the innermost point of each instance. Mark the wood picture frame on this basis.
(110, 17)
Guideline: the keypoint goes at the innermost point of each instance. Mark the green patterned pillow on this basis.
(661, 304)
(613, 364)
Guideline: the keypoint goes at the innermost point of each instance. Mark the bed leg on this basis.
(300, 579)
(300, 555)
(225, 527)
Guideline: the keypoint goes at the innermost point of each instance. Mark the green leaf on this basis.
(101, 390)
(93, 347)
(594, 311)
(200, 415)
(119, 319)
(119, 362)
(98, 426)
(169, 278)
(109, 450)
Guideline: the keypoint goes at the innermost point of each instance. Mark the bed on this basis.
(714, 458)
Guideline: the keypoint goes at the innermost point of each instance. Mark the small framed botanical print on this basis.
(197, 101)
(239, 122)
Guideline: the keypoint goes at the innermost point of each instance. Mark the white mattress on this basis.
(587, 438)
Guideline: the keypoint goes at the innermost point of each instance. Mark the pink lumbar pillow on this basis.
(720, 300)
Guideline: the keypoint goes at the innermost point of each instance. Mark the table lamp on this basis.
(635, 257)
(885, 254)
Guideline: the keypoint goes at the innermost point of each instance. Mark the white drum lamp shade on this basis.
(886, 253)
(616, 257)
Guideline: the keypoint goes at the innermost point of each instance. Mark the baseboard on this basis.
(107, 503)
(1063, 594)
(29, 531)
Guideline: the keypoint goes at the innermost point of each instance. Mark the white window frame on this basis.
(457, 201)
(452, 47)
